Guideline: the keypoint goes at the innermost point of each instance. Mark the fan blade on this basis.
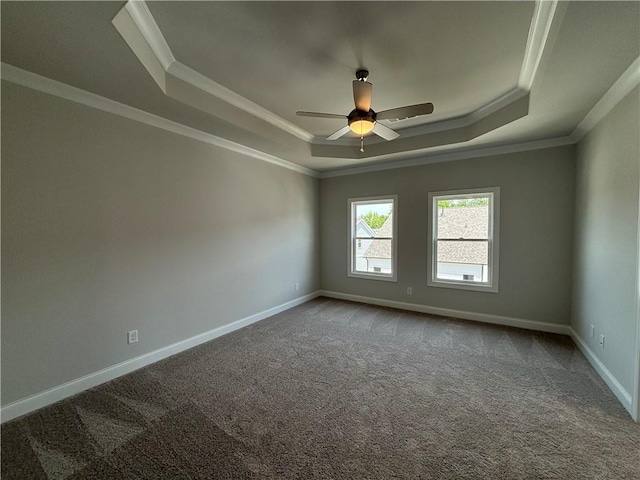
(362, 95)
(385, 132)
(320, 115)
(406, 112)
(335, 135)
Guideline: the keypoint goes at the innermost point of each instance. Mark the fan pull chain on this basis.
(362, 144)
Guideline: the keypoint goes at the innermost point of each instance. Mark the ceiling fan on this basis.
(363, 120)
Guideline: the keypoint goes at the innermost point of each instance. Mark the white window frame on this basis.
(351, 271)
(494, 239)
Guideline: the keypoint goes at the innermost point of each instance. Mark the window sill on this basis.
(373, 276)
(463, 286)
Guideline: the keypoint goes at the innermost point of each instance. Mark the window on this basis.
(372, 237)
(463, 237)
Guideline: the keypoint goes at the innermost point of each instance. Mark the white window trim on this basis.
(494, 241)
(394, 241)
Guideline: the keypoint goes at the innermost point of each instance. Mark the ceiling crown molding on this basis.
(141, 16)
(497, 114)
(52, 87)
(536, 41)
(481, 113)
(157, 58)
(447, 154)
(134, 21)
(627, 82)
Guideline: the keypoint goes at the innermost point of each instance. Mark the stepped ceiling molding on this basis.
(503, 76)
(140, 30)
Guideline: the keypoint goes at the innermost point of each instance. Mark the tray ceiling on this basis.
(497, 72)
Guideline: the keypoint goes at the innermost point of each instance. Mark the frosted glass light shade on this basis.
(361, 127)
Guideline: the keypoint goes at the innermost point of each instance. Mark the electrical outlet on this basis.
(602, 341)
(297, 286)
(409, 291)
(132, 337)
(593, 331)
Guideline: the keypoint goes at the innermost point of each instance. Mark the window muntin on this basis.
(464, 239)
(372, 237)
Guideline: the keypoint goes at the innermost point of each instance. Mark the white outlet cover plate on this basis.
(132, 336)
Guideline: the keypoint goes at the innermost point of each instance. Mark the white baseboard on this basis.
(612, 382)
(60, 392)
(446, 312)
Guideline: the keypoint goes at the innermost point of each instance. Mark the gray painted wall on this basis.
(111, 225)
(537, 196)
(606, 238)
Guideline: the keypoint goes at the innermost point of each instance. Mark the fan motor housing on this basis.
(356, 115)
(362, 74)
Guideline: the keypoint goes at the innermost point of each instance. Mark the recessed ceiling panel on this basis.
(289, 56)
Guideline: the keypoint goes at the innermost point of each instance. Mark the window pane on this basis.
(374, 256)
(463, 218)
(464, 239)
(463, 261)
(372, 248)
(374, 220)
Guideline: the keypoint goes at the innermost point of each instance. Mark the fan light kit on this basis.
(361, 127)
(363, 120)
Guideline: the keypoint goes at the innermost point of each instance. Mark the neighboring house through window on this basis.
(463, 237)
(372, 237)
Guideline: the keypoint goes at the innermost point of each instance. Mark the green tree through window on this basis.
(375, 219)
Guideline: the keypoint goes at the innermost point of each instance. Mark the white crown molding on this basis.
(541, 21)
(484, 111)
(27, 405)
(537, 40)
(62, 90)
(455, 154)
(620, 89)
(148, 28)
(624, 85)
(196, 79)
(627, 82)
(539, 29)
(493, 106)
(141, 16)
(609, 378)
(134, 37)
(52, 87)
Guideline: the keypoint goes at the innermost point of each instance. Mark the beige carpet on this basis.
(334, 389)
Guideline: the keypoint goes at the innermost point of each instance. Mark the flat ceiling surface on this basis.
(289, 56)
